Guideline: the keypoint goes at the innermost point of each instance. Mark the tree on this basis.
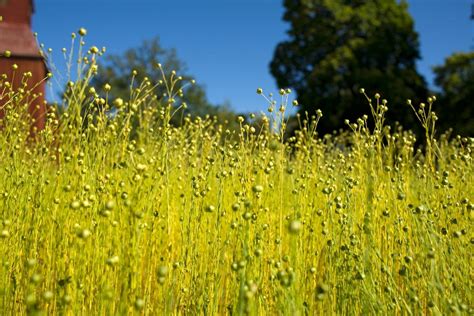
(336, 47)
(455, 105)
(116, 70)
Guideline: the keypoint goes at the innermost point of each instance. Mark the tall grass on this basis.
(112, 210)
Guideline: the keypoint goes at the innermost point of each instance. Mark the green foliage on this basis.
(456, 80)
(336, 47)
(117, 70)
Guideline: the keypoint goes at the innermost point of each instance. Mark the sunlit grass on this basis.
(113, 210)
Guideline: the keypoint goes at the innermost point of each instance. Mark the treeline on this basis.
(334, 49)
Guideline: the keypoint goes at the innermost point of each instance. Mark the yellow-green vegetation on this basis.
(111, 210)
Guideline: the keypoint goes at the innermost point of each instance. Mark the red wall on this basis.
(38, 70)
(17, 11)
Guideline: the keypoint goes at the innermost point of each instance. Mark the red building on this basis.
(17, 38)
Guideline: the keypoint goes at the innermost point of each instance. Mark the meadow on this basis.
(114, 210)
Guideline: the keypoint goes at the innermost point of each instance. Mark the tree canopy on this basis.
(116, 70)
(456, 80)
(336, 47)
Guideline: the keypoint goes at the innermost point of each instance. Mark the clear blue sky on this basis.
(227, 44)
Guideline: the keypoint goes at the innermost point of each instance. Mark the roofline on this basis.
(25, 56)
(32, 57)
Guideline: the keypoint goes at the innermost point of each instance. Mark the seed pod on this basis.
(162, 271)
(112, 260)
(210, 208)
(257, 188)
(109, 205)
(84, 234)
(139, 304)
(294, 227)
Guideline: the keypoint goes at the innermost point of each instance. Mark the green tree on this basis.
(116, 70)
(336, 47)
(455, 105)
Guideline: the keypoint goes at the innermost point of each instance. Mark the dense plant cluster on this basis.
(112, 210)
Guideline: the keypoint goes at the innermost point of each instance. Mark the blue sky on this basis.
(227, 44)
